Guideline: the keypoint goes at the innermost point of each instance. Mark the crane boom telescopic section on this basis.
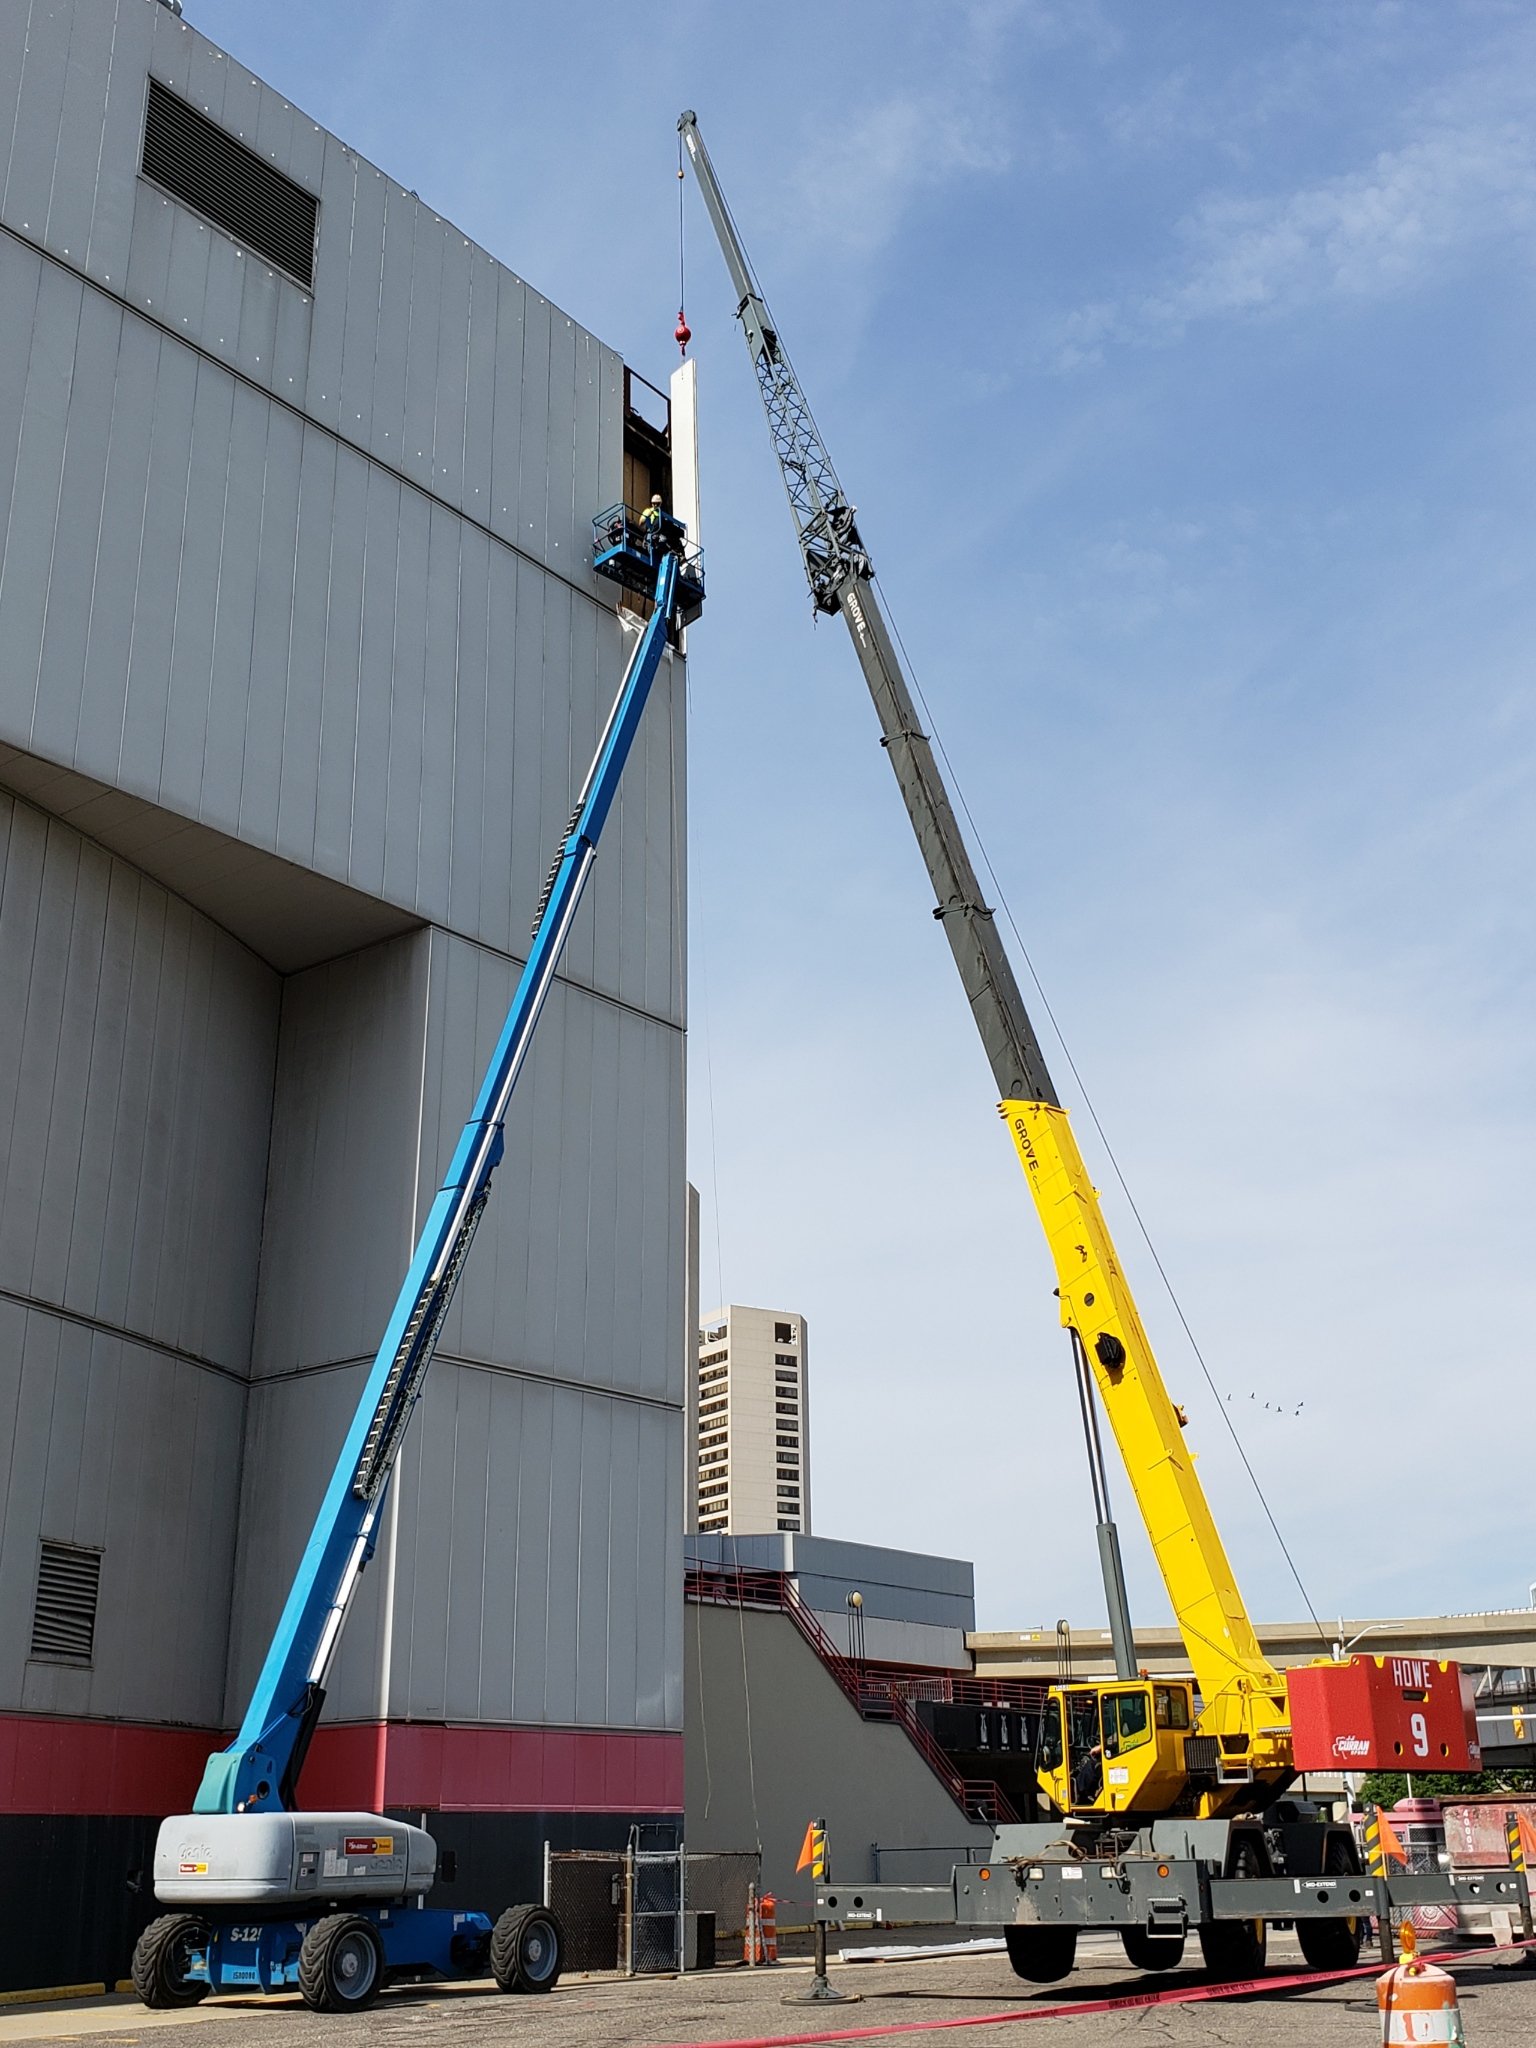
(838, 570)
(1242, 1692)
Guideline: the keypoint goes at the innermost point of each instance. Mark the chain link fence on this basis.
(650, 1911)
(718, 1885)
(585, 1888)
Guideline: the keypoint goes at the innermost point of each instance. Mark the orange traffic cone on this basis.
(1417, 2002)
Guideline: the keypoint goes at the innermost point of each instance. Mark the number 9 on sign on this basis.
(1419, 1729)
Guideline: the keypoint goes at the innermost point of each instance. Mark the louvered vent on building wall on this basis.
(198, 162)
(64, 1619)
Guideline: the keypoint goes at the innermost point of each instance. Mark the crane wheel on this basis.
(341, 1964)
(1234, 1949)
(1042, 1954)
(527, 1949)
(160, 1957)
(1145, 1951)
(1334, 1944)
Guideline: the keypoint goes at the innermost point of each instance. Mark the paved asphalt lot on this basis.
(1498, 2002)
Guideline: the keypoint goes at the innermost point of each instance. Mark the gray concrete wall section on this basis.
(297, 613)
(804, 1752)
(897, 1585)
(275, 561)
(137, 1043)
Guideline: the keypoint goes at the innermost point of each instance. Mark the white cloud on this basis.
(1369, 234)
(1408, 216)
(895, 150)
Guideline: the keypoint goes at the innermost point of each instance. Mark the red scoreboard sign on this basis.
(1383, 1714)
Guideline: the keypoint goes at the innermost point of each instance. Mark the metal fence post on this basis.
(548, 1875)
(627, 1926)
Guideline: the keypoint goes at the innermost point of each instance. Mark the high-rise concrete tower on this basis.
(753, 1458)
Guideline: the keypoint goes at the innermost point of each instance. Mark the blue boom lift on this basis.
(268, 1897)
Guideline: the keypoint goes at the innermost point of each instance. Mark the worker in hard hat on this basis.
(652, 523)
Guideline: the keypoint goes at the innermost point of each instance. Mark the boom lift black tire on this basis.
(1145, 1951)
(341, 1964)
(1334, 1944)
(1234, 1949)
(527, 1949)
(1042, 1954)
(160, 1962)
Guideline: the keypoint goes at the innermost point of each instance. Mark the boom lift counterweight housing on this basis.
(271, 1898)
(1169, 1797)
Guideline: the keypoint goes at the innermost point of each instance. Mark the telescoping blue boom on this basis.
(259, 1770)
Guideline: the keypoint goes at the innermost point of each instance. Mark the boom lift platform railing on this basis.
(270, 1898)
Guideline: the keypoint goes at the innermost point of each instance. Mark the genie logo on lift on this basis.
(1411, 1672)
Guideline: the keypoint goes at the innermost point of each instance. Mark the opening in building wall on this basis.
(64, 1610)
(647, 453)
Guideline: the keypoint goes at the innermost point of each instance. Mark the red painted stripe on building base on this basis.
(53, 1765)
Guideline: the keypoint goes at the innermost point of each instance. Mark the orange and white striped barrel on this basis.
(1417, 2002)
(752, 1933)
(768, 1920)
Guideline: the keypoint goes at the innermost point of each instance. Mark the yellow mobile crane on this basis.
(1168, 1797)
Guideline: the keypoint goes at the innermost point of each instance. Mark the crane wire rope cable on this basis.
(682, 274)
(1223, 1407)
(700, 952)
(746, 1689)
(677, 851)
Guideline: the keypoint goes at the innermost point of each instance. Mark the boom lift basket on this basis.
(626, 547)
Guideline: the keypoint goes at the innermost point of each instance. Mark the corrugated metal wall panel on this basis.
(362, 330)
(450, 395)
(39, 107)
(578, 1264)
(293, 1429)
(525, 1580)
(340, 1220)
(259, 623)
(268, 688)
(530, 492)
(138, 1453)
(166, 581)
(321, 529)
(72, 188)
(136, 1045)
(386, 355)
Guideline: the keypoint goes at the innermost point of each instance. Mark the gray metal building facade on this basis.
(301, 662)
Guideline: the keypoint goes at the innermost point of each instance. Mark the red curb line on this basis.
(1193, 1995)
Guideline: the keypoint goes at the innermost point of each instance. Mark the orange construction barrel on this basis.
(1417, 2002)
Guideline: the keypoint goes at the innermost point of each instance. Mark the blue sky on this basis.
(1178, 358)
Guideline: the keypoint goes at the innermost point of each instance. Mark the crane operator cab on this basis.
(1115, 1749)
